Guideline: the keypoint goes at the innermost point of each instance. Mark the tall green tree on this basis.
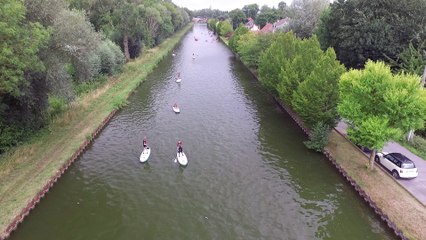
(305, 15)
(126, 19)
(359, 30)
(412, 59)
(267, 15)
(237, 17)
(379, 106)
(23, 88)
(307, 53)
(251, 46)
(20, 42)
(251, 10)
(282, 49)
(225, 28)
(233, 41)
(315, 99)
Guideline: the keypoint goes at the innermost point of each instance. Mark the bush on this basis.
(57, 105)
(118, 56)
(107, 58)
(319, 137)
(12, 134)
(419, 143)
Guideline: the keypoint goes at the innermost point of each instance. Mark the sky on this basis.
(225, 5)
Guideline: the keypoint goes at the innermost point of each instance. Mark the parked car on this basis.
(399, 165)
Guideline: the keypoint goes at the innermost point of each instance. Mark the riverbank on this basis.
(393, 203)
(30, 168)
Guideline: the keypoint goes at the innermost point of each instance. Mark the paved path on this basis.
(416, 186)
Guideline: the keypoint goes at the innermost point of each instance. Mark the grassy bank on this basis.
(403, 209)
(28, 168)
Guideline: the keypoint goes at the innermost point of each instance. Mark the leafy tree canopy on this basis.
(315, 99)
(378, 105)
(359, 30)
(251, 10)
(20, 42)
(237, 17)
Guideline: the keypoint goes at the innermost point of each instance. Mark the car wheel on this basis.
(377, 159)
(395, 174)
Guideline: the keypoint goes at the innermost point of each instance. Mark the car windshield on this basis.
(408, 165)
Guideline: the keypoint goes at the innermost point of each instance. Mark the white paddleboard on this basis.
(181, 158)
(178, 80)
(176, 109)
(145, 154)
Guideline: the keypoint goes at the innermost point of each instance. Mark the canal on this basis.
(249, 175)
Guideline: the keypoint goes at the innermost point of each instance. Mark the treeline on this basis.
(382, 101)
(54, 50)
(391, 31)
(302, 15)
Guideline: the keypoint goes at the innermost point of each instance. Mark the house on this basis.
(267, 28)
(251, 26)
(281, 24)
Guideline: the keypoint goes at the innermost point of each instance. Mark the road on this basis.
(416, 186)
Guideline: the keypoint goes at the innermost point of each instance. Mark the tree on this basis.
(251, 46)
(307, 54)
(315, 99)
(304, 16)
(20, 43)
(74, 38)
(379, 106)
(279, 53)
(267, 15)
(359, 30)
(225, 28)
(233, 41)
(237, 17)
(212, 24)
(251, 10)
(153, 22)
(44, 11)
(126, 20)
(412, 59)
(167, 27)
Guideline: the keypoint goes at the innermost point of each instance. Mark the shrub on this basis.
(57, 105)
(419, 143)
(107, 58)
(319, 137)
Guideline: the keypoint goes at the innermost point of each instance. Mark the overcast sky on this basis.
(225, 5)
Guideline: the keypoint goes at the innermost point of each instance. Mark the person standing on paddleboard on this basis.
(180, 147)
(145, 142)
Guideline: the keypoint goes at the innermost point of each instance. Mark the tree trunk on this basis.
(372, 156)
(126, 47)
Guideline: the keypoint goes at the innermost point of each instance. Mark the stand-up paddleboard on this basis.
(179, 80)
(145, 154)
(176, 109)
(181, 158)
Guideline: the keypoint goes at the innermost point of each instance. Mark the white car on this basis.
(399, 165)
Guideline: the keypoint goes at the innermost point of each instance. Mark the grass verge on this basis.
(403, 209)
(27, 168)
